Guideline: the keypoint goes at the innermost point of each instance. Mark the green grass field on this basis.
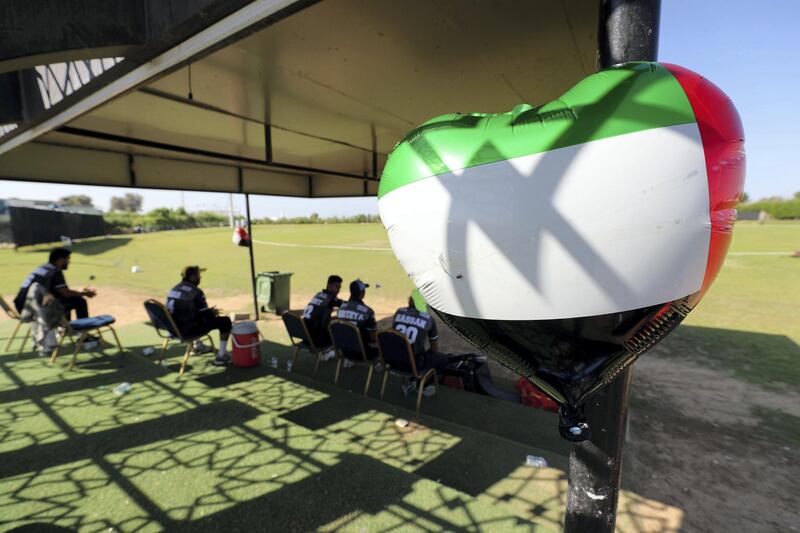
(757, 293)
(162, 255)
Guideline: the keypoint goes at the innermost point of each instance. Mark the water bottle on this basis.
(536, 461)
(122, 388)
(274, 362)
(289, 365)
(148, 351)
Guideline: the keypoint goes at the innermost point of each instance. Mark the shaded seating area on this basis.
(398, 356)
(164, 324)
(83, 328)
(349, 346)
(301, 338)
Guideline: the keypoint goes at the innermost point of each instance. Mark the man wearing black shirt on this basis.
(194, 318)
(418, 326)
(51, 276)
(317, 314)
(357, 312)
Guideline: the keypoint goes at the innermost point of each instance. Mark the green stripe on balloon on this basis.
(626, 99)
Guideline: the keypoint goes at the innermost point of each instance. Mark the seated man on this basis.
(51, 277)
(44, 313)
(187, 305)
(317, 314)
(418, 326)
(357, 312)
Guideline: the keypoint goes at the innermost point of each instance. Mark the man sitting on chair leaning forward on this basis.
(194, 318)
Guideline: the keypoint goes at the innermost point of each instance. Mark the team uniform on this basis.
(418, 327)
(317, 315)
(52, 278)
(187, 305)
(363, 317)
(48, 275)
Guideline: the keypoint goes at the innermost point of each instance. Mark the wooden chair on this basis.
(398, 356)
(301, 338)
(83, 327)
(166, 328)
(13, 315)
(349, 345)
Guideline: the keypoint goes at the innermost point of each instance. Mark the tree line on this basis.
(776, 207)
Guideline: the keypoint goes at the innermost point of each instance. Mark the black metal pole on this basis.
(250, 248)
(628, 32)
(595, 465)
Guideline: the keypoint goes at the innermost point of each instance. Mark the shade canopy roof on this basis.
(309, 104)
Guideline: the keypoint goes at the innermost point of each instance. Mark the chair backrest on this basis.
(347, 339)
(296, 327)
(397, 352)
(161, 319)
(10, 311)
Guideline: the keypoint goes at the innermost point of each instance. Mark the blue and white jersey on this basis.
(48, 275)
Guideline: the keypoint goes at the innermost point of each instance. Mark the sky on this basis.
(751, 50)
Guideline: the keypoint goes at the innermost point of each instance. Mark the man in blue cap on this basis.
(357, 312)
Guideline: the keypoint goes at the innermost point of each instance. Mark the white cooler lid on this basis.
(244, 328)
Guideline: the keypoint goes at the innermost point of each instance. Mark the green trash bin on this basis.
(272, 291)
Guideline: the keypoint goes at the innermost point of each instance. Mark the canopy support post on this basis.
(250, 249)
(628, 32)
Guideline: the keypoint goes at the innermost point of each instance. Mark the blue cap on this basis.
(357, 286)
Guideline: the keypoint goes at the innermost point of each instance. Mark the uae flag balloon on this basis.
(566, 240)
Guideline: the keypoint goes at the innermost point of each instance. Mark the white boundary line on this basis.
(787, 254)
(219, 31)
(323, 246)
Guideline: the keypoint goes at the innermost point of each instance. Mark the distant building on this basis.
(25, 222)
(47, 204)
(751, 215)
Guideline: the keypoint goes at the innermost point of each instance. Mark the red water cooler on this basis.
(246, 350)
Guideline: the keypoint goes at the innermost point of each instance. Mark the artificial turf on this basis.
(264, 449)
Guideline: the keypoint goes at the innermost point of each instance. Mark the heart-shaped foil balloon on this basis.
(566, 240)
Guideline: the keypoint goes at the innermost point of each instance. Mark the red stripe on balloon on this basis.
(723, 144)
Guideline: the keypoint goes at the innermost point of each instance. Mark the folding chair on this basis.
(398, 356)
(13, 315)
(165, 327)
(301, 338)
(83, 327)
(349, 346)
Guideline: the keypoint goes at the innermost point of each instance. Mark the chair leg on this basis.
(163, 351)
(13, 334)
(316, 364)
(385, 379)
(119, 344)
(338, 368)
(422, 383)
(78, 347)
(186, 356)
(296, 353)
(369, 379)
(57, 349)
(24, 342)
